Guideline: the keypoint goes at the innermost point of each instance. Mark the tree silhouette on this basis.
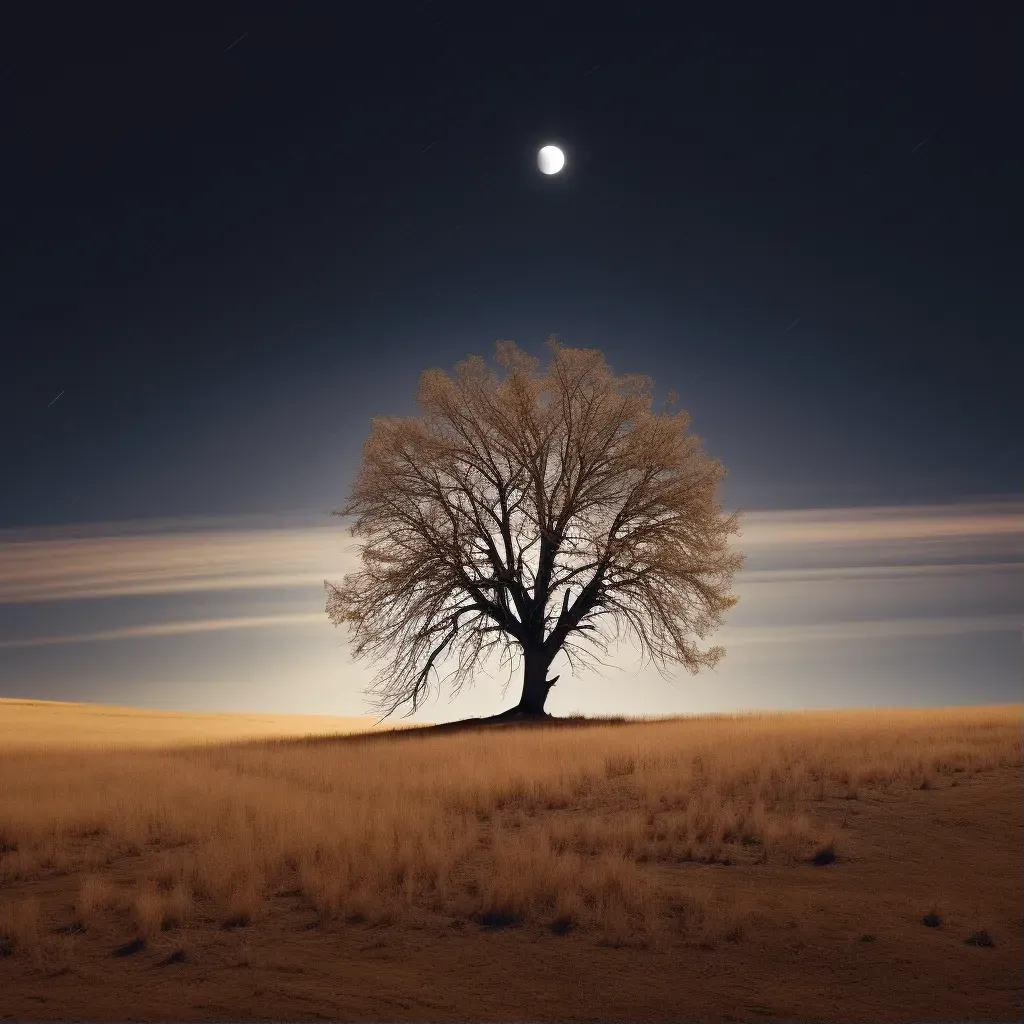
(529, 512)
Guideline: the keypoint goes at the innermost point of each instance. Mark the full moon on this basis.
(550, 160)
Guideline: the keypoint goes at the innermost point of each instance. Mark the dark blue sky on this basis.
(228, 257)
(228, 244)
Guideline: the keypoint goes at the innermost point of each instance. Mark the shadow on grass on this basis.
(503, 721)
(498, 919)
(826, 855)
(129, 948)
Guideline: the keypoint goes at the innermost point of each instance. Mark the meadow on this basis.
(509, 871)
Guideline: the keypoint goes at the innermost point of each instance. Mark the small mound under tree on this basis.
(529, 512)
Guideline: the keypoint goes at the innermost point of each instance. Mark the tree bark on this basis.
(536, 684)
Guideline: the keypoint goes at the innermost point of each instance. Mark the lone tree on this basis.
(527, 513)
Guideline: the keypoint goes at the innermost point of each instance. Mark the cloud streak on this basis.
(874, 525)
(898, 571)
(179, 557)
(156, 629)
(174, 558)
(125, 564)
(877, 629)
(739, 636)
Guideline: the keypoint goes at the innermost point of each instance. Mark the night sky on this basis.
(228, 244)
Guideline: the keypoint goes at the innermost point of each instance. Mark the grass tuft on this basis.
(147, 911)
(95, 895)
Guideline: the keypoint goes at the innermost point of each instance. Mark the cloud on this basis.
(909, 559)
(879, 573)
(878, 629)
(125, 562)
(739, 636)
(154, 629)
(873, 525)
(201, 555)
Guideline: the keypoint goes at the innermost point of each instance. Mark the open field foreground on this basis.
(813, 866)
(35, 724)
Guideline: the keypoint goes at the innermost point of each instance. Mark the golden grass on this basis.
(95, 895)
(35, 724)
(558, 826)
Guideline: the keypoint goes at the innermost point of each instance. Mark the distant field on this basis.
(724, 866)
(38, 724)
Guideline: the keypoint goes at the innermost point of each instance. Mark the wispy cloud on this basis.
(177, 557)
(155, 629)
(920, 550)
(880, 573)
(871, 525)
(123, 564)
(738, 636)
(878, 629)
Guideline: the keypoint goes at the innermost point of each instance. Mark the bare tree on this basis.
(527, 513)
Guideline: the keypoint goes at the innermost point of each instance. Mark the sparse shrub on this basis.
(618, 766)
(931, 920)
(177, 906)
(618, 899)
(94, 896)
(980, 938)
(243, 904)
(147, 911)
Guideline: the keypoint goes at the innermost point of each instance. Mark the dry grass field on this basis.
(857, 865)
(41, 724)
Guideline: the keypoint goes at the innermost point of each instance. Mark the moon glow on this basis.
(550, 160)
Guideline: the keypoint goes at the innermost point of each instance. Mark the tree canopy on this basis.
(528, 512)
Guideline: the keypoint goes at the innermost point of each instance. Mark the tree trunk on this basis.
(536, 684)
